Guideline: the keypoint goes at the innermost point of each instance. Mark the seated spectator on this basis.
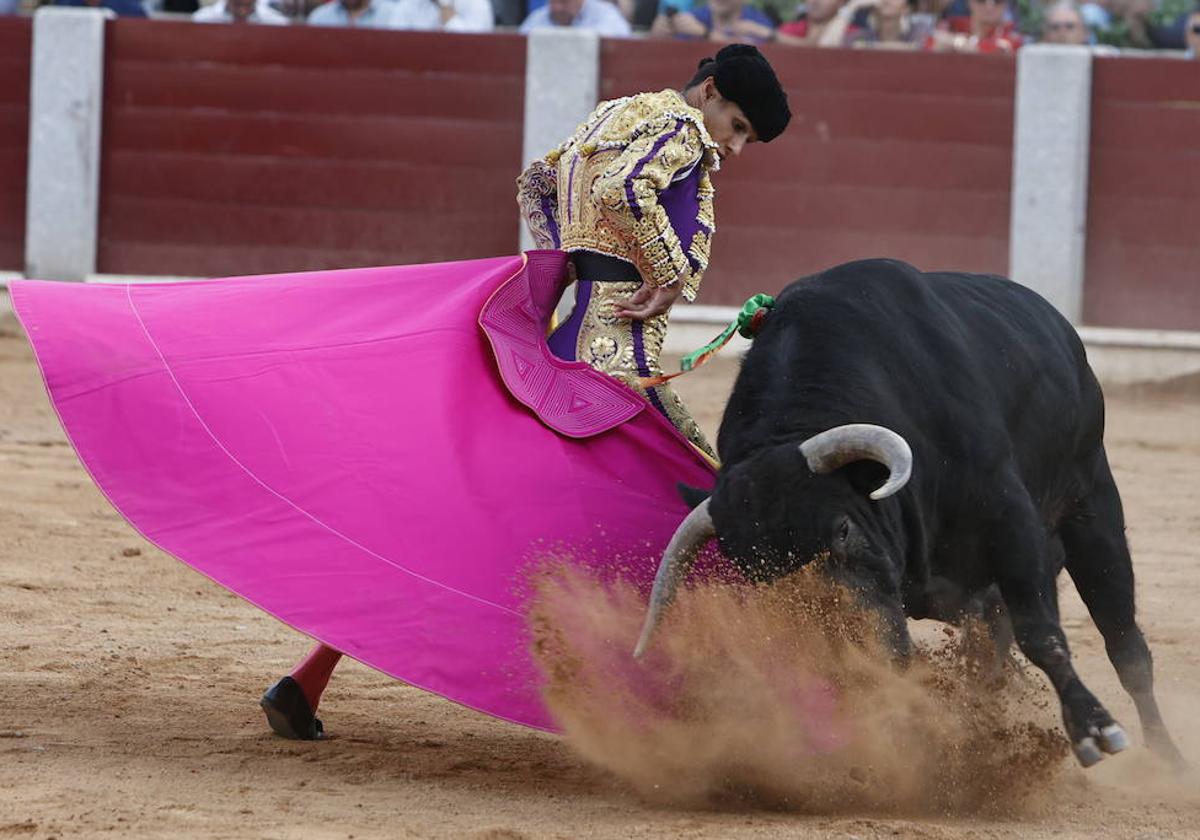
(988, 29)
(641, 14)
(1126, 24)
(809, 29)
(1167, 24)
(239, 11)
(122, 8)
(1191, 34)
(934, 8)
(598, 15)
(528, 7)
(664, 16)
(366, 14)
(296, 11)
(721, 20)
(626, 7)
(1064, 24)
(1095, 16)
(510, 13)
(888, 24)
(444, 15)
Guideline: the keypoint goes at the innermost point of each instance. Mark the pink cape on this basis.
(373, 456)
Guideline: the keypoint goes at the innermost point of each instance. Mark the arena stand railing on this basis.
(240, 150)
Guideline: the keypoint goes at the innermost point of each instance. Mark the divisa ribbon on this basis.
(747, 324)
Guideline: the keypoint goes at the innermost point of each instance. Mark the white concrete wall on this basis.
(1051, 142)
(562, 86)
(65, 108)
(1124, 357)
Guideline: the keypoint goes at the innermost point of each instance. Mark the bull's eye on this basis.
(842, 533)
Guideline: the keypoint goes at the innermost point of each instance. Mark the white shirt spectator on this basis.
(598, 15)
(367, 14)
(219, 12)
(469, 15)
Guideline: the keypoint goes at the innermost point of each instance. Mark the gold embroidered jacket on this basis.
(632, 182)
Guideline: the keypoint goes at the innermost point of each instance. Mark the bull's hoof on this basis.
(1086, 752)
(1109, 739)
(288, 712)
(1113, 739)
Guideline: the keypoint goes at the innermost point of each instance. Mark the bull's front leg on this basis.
(1027, 584)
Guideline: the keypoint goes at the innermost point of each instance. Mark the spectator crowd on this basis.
(983, 26)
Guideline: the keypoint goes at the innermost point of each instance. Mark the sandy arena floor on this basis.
(129, 685)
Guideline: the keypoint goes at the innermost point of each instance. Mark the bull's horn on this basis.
(677, 561)
(842, 445)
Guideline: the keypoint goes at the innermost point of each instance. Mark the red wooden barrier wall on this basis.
(240, 150)
(16, 39)
(888, 154)
(1143, 232)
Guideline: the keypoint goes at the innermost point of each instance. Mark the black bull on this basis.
(990, 389)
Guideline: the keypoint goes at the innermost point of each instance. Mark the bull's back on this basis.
(974, 365)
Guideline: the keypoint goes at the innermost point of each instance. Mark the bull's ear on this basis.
(692, 496)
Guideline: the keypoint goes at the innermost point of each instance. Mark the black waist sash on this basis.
(601, 268)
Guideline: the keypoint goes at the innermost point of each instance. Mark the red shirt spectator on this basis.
(807, 31)
(988, 29)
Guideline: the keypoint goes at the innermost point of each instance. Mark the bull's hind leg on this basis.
(1097, 558)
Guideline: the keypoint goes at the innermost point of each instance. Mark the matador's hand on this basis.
(649, 301)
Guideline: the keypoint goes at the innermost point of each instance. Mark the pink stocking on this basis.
(313, 672)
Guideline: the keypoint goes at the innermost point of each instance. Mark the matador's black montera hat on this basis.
(743, 75)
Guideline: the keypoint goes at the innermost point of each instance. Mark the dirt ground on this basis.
(129, 685)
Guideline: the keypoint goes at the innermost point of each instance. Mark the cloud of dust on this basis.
(781, 697)
(1139, 778)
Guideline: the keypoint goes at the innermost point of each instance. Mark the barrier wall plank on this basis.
(1144, 196)
(321, 138)
(353, 91)
(888, 154)
(16, 43)
(333, 184)
(282, 227)
(332, 49)
(233, 150)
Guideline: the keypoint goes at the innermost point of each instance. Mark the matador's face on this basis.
(725, 121)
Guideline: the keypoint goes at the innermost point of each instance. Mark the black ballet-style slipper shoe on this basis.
(288, 712)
